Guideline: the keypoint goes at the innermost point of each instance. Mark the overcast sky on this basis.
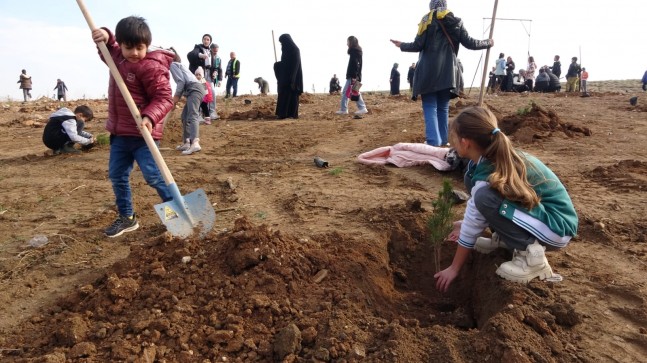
(51, 40)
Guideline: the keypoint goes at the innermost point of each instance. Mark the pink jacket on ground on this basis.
(149, 85)
(407, 154)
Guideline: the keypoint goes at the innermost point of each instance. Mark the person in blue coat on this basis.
(645, 81)
(514, 195)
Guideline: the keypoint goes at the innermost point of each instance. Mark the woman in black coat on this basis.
(200, 56)
(289, 78)
(395, 80)
(437, 77)
(353, 74)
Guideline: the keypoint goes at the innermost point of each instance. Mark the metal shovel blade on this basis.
(185, 215)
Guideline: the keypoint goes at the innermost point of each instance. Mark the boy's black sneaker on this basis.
(122, 224)
(88, 146)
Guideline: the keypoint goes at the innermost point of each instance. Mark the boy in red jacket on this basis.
(146, 75)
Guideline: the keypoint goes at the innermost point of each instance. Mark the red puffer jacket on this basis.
(149, 86)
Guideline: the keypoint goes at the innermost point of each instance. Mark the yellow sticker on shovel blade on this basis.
(169, 213)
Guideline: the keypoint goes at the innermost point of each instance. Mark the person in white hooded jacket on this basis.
(65, 128)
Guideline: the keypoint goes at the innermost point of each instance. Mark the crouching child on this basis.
(66, 128)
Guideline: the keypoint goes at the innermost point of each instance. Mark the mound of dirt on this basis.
(625, 176)
(255, 294)
(535, 123)
(310, 265)
(263, 112)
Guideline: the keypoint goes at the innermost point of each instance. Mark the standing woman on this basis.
(353, 74)
(289, 78)
(437, 74)
(200, 56)
(395, 80)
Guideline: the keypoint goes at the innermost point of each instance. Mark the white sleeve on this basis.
(69, 126)
(474, 223)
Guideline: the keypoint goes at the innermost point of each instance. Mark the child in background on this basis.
(146, 75)
(65, 128)
(208, 97)
(514, 194)
(584, 76)
(61, 90)
(188, 85)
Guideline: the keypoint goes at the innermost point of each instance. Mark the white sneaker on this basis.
(194, 148)
(185, 146)
(526, 265)
(361, 112)
(487, 245)
(340, 112)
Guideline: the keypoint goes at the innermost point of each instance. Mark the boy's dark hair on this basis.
(85, 111)
(132, 31)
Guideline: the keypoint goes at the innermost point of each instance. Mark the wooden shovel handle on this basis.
(487, 55)
(166, 174)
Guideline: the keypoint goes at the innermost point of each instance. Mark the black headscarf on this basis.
(289, 73)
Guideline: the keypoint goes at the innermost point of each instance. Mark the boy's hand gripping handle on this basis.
(166, 174)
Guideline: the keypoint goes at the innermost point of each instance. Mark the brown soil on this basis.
(310, 264)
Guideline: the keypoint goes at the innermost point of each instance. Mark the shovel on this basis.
(184, 215)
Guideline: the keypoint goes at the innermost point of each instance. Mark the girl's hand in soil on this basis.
(445, 278)
(455, 233)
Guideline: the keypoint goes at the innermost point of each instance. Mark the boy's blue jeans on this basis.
(435, 107)
(124, 151)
